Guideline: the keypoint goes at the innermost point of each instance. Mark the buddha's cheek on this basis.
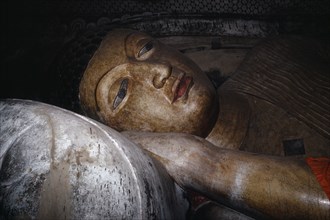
(147, 113)
(157, 116)
(148, 109)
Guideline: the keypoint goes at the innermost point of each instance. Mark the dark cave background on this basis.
(37, 35)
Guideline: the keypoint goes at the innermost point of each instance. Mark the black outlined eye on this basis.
(121, 93)
(146, 48)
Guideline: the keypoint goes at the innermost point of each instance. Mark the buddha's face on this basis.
(134, 82)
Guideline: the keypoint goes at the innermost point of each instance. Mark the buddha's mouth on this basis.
(181, 86)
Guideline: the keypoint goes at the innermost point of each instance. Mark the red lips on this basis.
(182, 87)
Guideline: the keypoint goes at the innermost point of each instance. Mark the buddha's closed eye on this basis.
(121, 93)
(146, 48)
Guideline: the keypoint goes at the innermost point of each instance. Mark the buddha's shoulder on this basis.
(291, 73)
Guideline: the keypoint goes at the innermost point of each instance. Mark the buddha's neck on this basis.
(232, 122)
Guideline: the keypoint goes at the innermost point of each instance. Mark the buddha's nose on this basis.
(161, 73)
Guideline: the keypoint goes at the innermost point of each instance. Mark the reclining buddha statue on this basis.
(255, 147)
(246, 144)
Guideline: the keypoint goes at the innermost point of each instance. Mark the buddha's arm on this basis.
(255, 184)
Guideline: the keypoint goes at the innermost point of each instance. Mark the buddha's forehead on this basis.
(115, 42)
(117, 46)
(111, 53)
(121, 37)
(134, 37)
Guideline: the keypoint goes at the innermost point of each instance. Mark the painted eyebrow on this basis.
(126, 39)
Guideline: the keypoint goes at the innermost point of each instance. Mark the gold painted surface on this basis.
(272, 96)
